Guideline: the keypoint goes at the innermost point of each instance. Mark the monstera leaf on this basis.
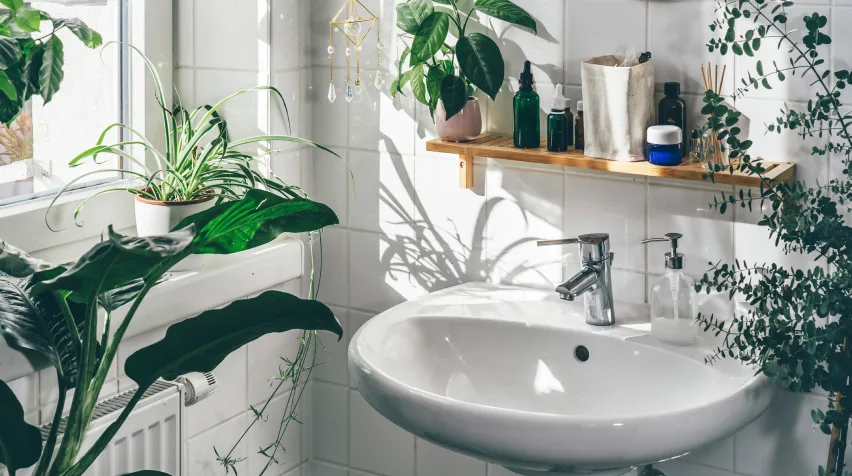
(20, 442)
(120, 261)
(30, 315)
(202, 343)
(255, 220)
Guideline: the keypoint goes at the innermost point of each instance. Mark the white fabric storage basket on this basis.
(618, 108)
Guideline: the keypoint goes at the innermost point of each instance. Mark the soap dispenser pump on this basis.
(673, 299)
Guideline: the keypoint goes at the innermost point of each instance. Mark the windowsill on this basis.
(220, 280)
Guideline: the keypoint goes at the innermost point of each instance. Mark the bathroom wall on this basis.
(407, 229)
(222, 46)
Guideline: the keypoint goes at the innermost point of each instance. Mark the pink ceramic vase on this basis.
(464, 126)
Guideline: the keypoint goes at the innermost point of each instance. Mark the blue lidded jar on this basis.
(664, 145)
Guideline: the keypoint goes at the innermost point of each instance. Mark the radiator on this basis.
(149, 439)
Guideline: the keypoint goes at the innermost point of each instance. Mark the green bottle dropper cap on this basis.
(526, 80)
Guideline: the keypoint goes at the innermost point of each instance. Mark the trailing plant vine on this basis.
(799, 320)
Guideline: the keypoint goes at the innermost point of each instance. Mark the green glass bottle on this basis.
(526, 106)
(672, 112)
(558, 131)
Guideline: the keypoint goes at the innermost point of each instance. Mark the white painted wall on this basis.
(407, 229)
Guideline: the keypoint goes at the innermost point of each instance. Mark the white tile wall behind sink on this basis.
(406, 228)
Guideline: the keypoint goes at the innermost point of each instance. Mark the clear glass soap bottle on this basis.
(673, 299)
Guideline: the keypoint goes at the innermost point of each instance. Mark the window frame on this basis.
(23, 224)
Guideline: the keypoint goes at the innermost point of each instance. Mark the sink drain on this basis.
(582, 353)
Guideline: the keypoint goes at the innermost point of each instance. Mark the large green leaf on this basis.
(28, 20)
(434, 79)
(418, 84)
(411, 14)
(89, 37)
(7, 88)
(13, 5)
(507, 11)
(20, 442)
(481, 62)
(454, 95)
(51, 73)
(202, 343)
(10, 52)
(121, 260)
(30, 315)
(430, 37)
(255, 220)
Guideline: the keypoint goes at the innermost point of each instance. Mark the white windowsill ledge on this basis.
(219, 281)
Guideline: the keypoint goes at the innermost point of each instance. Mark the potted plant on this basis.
(200, 164)
(33, 65)
(53, 310)
(796, 324)
(443, 77)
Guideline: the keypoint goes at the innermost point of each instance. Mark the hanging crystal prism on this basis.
(359, 88)
(332, 93)
(380, 80)
(348, 94)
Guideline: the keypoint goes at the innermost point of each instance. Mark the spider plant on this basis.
(199, 159)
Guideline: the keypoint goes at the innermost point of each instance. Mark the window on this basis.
(35, 151)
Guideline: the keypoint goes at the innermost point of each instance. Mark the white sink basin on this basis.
(491, 371)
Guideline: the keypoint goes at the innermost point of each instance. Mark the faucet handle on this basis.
(564, 241)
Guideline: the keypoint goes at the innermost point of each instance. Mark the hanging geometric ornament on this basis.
(349, 21)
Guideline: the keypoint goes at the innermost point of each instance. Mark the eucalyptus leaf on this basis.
(454, 95)
(121, 260)
(51, 72)
(481, 62)
(20, 442)
(255, 220)
(507, 11)
(201, 343)
(412, 13)
(430, 36)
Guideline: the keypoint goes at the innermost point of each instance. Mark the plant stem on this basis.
(50, 443)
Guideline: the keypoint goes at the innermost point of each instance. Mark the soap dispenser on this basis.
(673, 299)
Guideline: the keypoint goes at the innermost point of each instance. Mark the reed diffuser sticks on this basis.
(713, 149)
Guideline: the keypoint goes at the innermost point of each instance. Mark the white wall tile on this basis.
(289, 120)
(587, 35)
(332, 354)
(382, 196)
(233, 35)
(26, 391)
(388, 449)
(183, 32)
(432, 460)
(286, 26)
(246, 114)
(544, 49)
(265, 433)
(334, 280)
(319, 468)
(265, 363)
(719, 454)
(379, 122)
(226, 402)
(524, 206)
(330, 121)
(494, 470)
(608, 206)
(201, 458)
(708, 235)
(783, 440)
(373, 285)
(331, 179)
(680, 468)
(329, 422)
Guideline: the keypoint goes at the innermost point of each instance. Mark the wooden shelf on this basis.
(500, 146)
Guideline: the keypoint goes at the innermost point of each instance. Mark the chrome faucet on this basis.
(594, 281)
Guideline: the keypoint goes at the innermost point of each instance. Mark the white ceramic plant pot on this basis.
(158, 218)
(464, 126)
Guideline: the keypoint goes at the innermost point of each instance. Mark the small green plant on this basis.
(199, 160)
(53, 310)
(31, 63)
(800, 321)
(438, 71)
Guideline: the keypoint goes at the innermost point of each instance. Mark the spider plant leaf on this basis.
(272, 138)
(201, 343)
(20, 442)
(255, 220)
(121, 260)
